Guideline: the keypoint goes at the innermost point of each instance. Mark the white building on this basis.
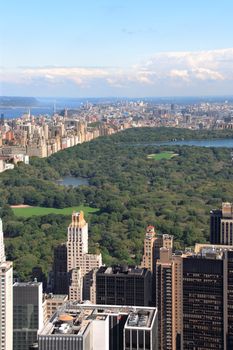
(100, 327)
(6, 299)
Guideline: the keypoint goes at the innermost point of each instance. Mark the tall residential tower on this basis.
(79, 262)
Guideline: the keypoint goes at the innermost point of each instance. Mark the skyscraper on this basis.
(60, 276)
(27, 313)
(152, 244)
(221, 225)
(204, 305)
(164, 298)
(79, 262)
(123, 285)
(169, 299)
(6, 300)
(148, 258)
(207, 298)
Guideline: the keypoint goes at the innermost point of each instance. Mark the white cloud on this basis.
(167, 68)
(179, 74)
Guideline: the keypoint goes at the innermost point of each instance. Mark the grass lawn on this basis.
(40, 211)
(162, 155)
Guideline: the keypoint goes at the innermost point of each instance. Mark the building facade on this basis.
(123, 285)
(79, 261)
(60, 276)
(6, 298)
(27, 313)
(203, 303)
(221, 225)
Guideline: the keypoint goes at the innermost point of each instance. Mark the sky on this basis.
(134, 48)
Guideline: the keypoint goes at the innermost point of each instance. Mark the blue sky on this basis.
(116, 48)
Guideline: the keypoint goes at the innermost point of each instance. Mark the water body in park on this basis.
(73, 181)
(228, 143)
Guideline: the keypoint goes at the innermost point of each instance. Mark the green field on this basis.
(40, 211)
(162, 155)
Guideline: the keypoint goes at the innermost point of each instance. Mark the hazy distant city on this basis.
(41, 135)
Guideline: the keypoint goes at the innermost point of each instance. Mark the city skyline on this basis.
(118, 49)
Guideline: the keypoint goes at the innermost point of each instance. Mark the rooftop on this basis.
(209, 251)
(27, 284)
(56, 296)
(122, 270)
(74, 318)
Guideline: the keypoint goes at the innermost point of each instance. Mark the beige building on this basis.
(51, 304)
(79, 262)
(148, 256)
(152, 244)
(221, 224)
(169, 296)
(226, 228)
(37, 151)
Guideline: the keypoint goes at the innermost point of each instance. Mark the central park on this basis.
(131, 184)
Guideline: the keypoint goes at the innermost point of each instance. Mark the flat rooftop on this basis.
(58, 297)
(122, 270)
(211, 250)
(74, 319)
(27, 284)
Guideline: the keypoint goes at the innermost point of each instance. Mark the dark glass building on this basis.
(203, 303)
(215, 222)
(221, 225)
(230, 299)
(27, 314)
(60, 276)
(123, 285)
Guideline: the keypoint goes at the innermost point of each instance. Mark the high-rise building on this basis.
(148, 258)
(60, 275)
(169, 299)
(203, 301)
(27, 313)
(229, 282)
(100, 327)
(177, 300)
(164, 298)
(221, 225)
(79, 262)
(207, 298)
(6, 298)
(152, 244)
(123, 285)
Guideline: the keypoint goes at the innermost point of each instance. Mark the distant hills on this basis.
(14, 101)
(65, 102)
